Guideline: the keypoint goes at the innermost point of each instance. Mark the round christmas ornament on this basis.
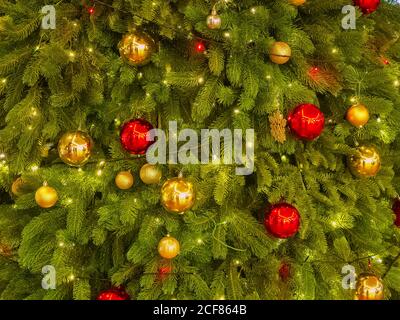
(150, 174)
(169, 247)
(22, 186)
(366, 162)
(136, 48)
(367, 6)
(297, 2)
(280, 52)
(284, 271)
(178, 195)
(46, 197)
(307, 121)
(396, 211)
(124, 180)
(369, 287)
(133, 136)
(282, 220)
(214, 20)
(358, 115)
(114, 294)
(75, 148)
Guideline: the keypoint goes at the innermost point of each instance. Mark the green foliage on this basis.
(72, 78)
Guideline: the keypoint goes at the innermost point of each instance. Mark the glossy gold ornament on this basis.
(22, 186)
(150, 174)
(297, 2)
(214, 21)
(358, 115)
(178, 195)
(75, 148)
(369, 287)
(169, 247)
(46, 197)
(136, 48)
(124, 180)
(366, 162)
(280, 53)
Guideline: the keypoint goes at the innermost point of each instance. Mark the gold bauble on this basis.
(358, 115)
(46, 197)
(214, 21)
(169, 247)
(124, 180)
(136, 48)
(178, 195)
(150, 174)
(369, 287)
(366, 162)
(297, 2)
(22, 186)
(75, 148)
(280, 53)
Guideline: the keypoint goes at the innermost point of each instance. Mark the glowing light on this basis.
(91, 10)
(61, 244)
(396, 83)
(99, 172)
(253, 10)
(71, 277)
(200, 241)
(34, 168)
(2, 155)
(227, 35)
(236, 111)
(334, 50)
(200, 47)
(90, 49)
(200, 80)
(379, 120)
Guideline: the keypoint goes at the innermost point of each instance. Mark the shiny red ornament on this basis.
(114, 294)
(367, 6)
(396, 211)
(284, 271)
(133, 136)
(307, 121)
(200, 47)
(282, 220)
(164, 272)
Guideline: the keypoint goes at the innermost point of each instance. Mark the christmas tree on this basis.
(86, 214)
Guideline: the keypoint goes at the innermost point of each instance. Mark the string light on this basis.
(396, 83)
(268, 77)
(71, 277)
(237, 262)
(236, 111)
(253, 10)
(200, 80)
(2, 155)
(3, 80)
(379, 120)
(61, 244)
(227, 35)
(200, 241)
(99, 172)
(35, 168)
(334, 50)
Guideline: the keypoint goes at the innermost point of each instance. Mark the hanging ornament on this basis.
(278, 126)
(282, 220)
(46, 197)
(136, 48)
(214, 21)
(297, 2)
(307, 121)
(367, 6)
(200, 47)
(150, 174)
(396, 211)
(280, 52)
(133, 136)
(75, 148)
(369, 287)
(164, 272)
(358, 115)
(178, 195)
(169, 247)
(124, 180)
(114, 294)
(22, 186)
(366, 162)
(284, 271)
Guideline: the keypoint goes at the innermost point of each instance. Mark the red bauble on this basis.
(284, 271)
(282, 220)
(134, 136)
(114, 294)
(396, 211)
(200, 47)
(164, 272)
(367, 6)
(307, 121)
